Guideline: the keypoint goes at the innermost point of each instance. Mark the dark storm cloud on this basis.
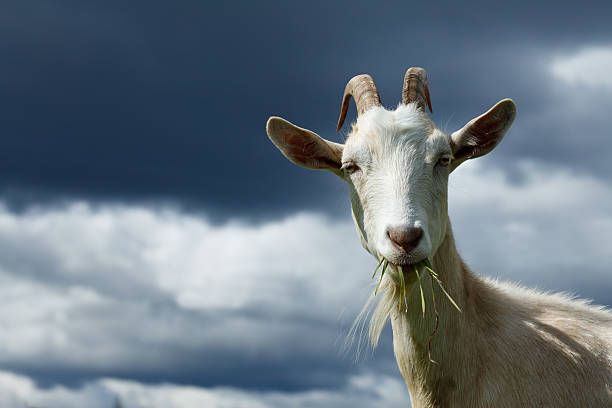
(149, 101)
(152, 100)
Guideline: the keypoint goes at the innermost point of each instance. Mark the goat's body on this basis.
(511, 347)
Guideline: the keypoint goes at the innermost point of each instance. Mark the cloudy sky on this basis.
(155, 247)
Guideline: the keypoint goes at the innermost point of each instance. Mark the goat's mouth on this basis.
(403, 274)
(408, 273)
(409, 263)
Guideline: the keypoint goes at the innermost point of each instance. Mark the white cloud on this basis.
(200, 265)
(552, 230)
(589, 66)
(113, 287)
(361, 391)
(367, 390)
(17, 391)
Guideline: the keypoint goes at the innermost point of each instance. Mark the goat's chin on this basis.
(406, 265)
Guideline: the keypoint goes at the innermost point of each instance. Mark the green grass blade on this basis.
(385, 264)
(432, 272)
(416, 270)
(428, 266)
(435, 330)
(433, 295)
(446, 293)
(402, 286)
(380, 263)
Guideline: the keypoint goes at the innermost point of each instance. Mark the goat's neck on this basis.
(431, 383)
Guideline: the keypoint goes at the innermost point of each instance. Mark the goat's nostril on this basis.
(405, 239)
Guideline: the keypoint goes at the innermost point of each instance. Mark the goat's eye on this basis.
(350, 167)
(444, 161)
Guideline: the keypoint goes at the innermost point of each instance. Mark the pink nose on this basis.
(405, 239)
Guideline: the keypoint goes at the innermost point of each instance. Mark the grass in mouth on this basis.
(423, 266)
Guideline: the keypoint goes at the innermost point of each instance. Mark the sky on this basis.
(157, 249)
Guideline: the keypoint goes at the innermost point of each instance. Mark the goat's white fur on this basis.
(510, 346)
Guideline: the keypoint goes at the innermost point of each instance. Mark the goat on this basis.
(510, 346)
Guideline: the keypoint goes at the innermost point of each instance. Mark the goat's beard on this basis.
(394, 291)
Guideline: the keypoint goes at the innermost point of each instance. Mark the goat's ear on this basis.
(303, 147)
(480, 135)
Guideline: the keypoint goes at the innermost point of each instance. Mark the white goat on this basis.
(510, 346)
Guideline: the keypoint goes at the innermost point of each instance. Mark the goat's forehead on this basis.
(381, 130)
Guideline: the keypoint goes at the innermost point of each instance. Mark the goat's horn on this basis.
(363, 90)
(416, 89)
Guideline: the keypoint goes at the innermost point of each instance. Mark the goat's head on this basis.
(396, 164)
